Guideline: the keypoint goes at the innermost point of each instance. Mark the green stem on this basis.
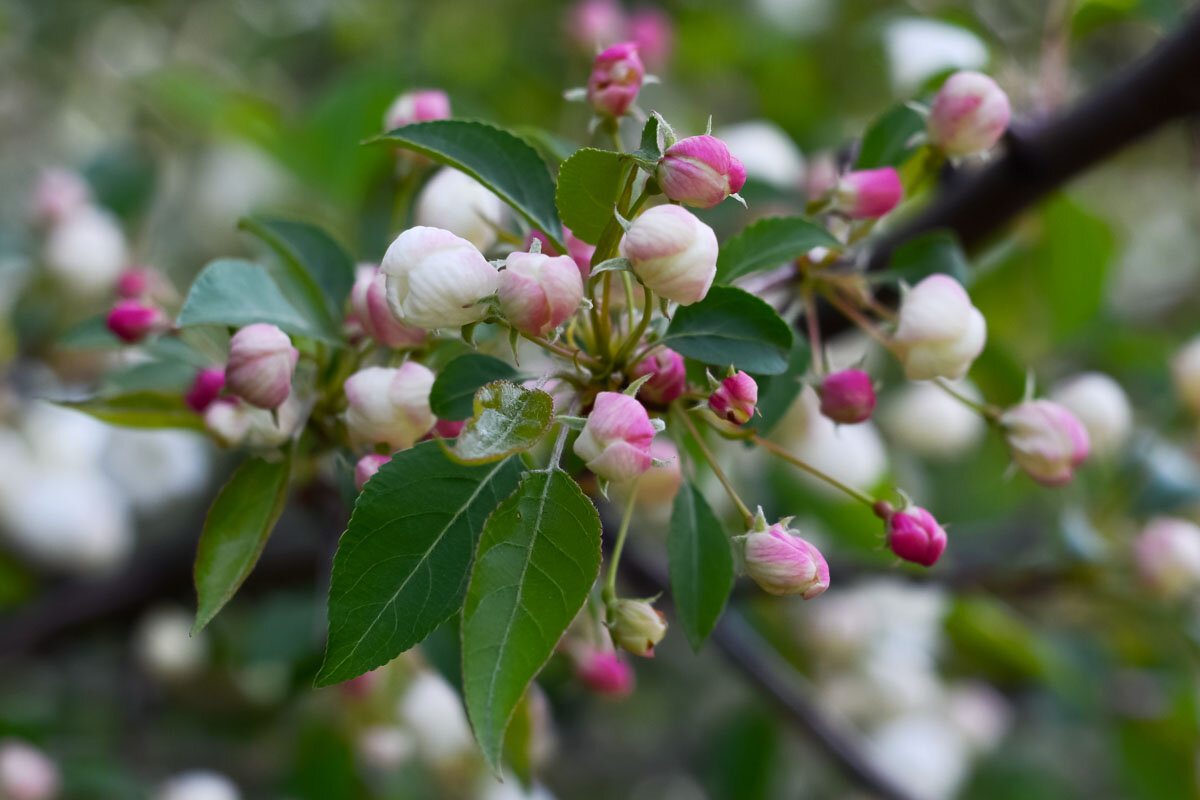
(610, 585)
(775, 449)
(985, 411)
(558, 349)
(712, 463)
(636, 335)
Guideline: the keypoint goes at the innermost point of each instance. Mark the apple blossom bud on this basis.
(968, 115)
(419, 105)
(369, 307)
(847, 396)
(780, 562)
(673, 253)
(652, 31)
(539, 292)
(1167, 555)
(228, 421)
(436, 279)
(1185, 373)
(699, 171)
(668, 376)
(1101, 405)
(260, 364)
(449, 428)
(615, 80)
(366, 467)
(594, 23)
(205, 388)
(389, 406)
(939, 333)
(637, 626)
(1045, 440)
(615, 440)
(131, 320)
(86, 251)
(58, 194)
(579, 250)
(603, 671)
(914, 535)
(198, 785)
(26, 773)
(138, 283)
(456, 202)
(166, 648)
(735, 398)
(869, 193)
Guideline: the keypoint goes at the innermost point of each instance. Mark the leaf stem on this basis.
(775, 449)
(610, 586)
(987, 412)
(712, 463)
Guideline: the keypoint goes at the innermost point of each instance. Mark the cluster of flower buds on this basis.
(260, 365)
(781, 562)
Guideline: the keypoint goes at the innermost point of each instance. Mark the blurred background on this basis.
(1036, 660)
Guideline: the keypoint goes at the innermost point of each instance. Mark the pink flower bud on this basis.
(848, 396)
(652, 31)
(132, 320)
(260, 364)
(539, 292)
(673, 253)
(367, 466)
(26, 773)
(58, 194)
(735, 398)
(869, 193)
(780, 562)
(939, 333)
(699, 171)
(205, 388)
(914, 535)
(669, 376)
(592, 24)
(361, 687)
(1045, 440)
(968, 115)
(579, 250)
(637, 626)
(603, 672)
(436, 279)
(137, 282)
(449, 428)
(369, 307)
(389, 406)
(615, 80)
(1167, 555)
(615, 441)
(419, 105)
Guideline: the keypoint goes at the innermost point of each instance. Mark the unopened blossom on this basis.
(869, 193)
(673, 253)
(637, 626)
(433, 711)
(602, 671)
(418, 105)
(205, 388)
(615, 80)
(369, 307)
(914, 535)
(366, 467)
(436, 279)
(198, 785)
(1167, 555)
(654, 34)
(615, 440)
(260, 364)
(767, 153)
(668, 376)
(734, 400)
(968, 115)
(389, 406)
(940, 333)
(227, 420)
(925, 419)
(1101, 405)
(539, 292)
(781, 562)
(1045, 440)
(165, 646)
(385, 747)
(132, 320)
(143, 283)
(456, 202)
(592, 24)
(847, 396)
(580, 251)
(58, 194)
(26, 773)
(1185, 373)
(699, 171)
(86, 251)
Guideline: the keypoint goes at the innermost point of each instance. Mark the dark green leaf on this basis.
(770, 243)
(701, 562)
(236, 530)
(141, 410)
(507, 419)
(928, 254)
(887, 142)
(453, 393)
(314, 262)
(123, 179)
(538, 558)
(731, 326)
(520, 741)
(589, 184)
(494, 157)
(403, 563)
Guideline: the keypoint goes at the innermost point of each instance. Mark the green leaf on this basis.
(508, 419)
(91, 334)
(402, 565)
(453, 393)
(520, 741)
(168, 377)
(887, 142)
(589, 184)
(770, 243)
(649, 152)
(237, 293)
(141, 410)
(538, 558)
(236, 530)
(314, 262)
(701, 564)
(776, 393)
(494, 157)
(929, 254)
(731, 326)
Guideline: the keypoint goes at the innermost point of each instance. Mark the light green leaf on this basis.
(496, 158)
(453, 393)
(91, 334)
(731, 326)
(237, 293)
(648, 153)
(887, 142)
(589, 184)
(141, 410)
(236, 530)
(538, 558)
(403, 563)
(168, 377)
(701, 564)
(508, 419)
(770, 243)
(929, 254)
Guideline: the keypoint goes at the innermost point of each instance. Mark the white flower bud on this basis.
(259, 369)
(456, 202)
(922, 418)
(86, 251)
(968, 114)
(1100, 404)
(433, 712)
(1167, 555)
(198, 785)
(1185, 371)
(436, 279)
(939, 333)
(26, 773)
(165, 645)
(673, 253)
(1045, 440)
(539, 292)
(389, 406)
